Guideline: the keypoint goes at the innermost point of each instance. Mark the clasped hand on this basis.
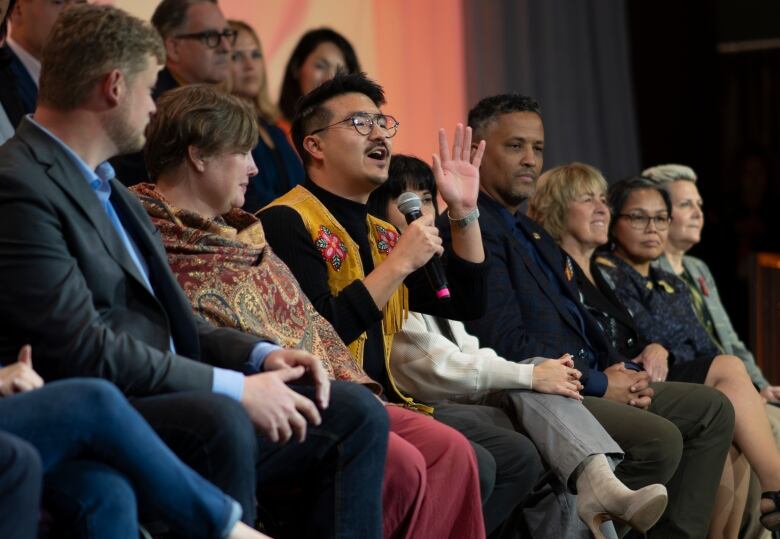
(628, 387)
(278, 412)
(559, 377)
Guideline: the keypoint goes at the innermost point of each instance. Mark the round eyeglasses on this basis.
(364, 122)
(640, 221)
(212, 38)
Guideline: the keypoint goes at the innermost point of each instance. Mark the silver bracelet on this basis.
(463, 222)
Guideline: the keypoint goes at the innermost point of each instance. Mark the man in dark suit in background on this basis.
(197, 42)
(534, 311)
(85, 281)
(20, 57)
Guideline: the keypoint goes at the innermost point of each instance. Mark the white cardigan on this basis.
(428, 366)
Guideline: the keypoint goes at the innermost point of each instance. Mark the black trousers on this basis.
(337, 471)
(509, 464)
(213, 435)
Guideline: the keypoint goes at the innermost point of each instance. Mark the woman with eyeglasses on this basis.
(647, 315)
(280, 167)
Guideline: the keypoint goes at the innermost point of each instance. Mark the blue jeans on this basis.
(337, 471)
(98, 451)
(20, 487)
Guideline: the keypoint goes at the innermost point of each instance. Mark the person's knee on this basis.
(521, 462)
(88, 401)
(229, 425)
(92, 499)
(405, 472)
(115, 498)
(20, 465)
(730, 367)
(487, 469)
(660, 447)
(451, 444)
(358, 410)
(721, 416)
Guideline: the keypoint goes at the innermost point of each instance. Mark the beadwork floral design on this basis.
(385, 239)
(331, 247)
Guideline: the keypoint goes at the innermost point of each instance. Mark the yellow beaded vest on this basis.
(340, 253)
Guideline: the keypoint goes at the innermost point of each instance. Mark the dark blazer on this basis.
(15, 96)
(69, 287)
(526, 316)
(23, 82)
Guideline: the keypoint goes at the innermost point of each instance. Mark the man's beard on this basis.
(126, 137)
(516, 197)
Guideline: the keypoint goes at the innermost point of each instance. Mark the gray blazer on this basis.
(723, 328)
(69, 287)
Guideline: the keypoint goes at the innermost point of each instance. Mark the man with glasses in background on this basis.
(198, 42)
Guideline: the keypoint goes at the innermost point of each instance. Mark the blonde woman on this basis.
(279, 165)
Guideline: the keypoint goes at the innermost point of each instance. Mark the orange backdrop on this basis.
(414, 48)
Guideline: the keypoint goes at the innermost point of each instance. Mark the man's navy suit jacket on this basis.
(18, 91)
(526, 316)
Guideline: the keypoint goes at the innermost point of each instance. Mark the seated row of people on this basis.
(81, 257)
(322, 270)
(640, 307)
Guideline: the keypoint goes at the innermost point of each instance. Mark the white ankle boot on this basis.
(601, 496)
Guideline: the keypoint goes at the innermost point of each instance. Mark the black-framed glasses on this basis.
(212, 38)
(640, 221)
(364, 122)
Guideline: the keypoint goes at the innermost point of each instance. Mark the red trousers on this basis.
(431, 488)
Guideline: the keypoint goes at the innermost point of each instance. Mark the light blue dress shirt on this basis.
(225, 381)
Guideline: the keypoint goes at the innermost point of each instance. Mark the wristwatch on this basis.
(463, 222)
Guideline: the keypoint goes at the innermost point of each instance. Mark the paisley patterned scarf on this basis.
(233, 279)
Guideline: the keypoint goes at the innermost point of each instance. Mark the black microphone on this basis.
(409, 205)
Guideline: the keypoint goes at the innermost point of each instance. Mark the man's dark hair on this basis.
(406, 173)
(171, 15)
(291, 85)
(311, 112)
(618, 193)
(4, 21)
(492, 107)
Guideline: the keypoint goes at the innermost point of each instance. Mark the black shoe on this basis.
(771, 519)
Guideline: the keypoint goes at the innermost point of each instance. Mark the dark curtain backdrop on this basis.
(574, 57)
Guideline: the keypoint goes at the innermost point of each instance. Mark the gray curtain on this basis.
(573, 56)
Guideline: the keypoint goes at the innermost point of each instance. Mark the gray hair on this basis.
(670, 173)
